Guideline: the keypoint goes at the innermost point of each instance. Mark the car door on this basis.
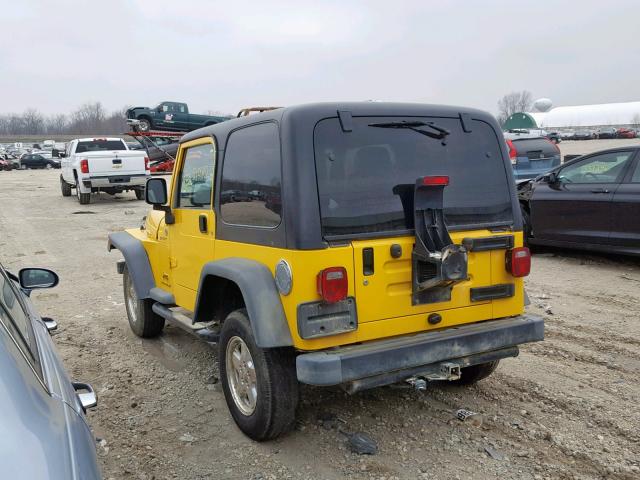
(45, 417)
(181, 117)
(625, 210)
(576, 207)
(192, 235)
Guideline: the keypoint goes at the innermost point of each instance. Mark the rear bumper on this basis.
(467, 343)
(124, 180)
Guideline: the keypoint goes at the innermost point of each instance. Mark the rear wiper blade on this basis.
(442, 132)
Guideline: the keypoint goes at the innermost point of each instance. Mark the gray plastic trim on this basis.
(261, 298)
(137, 261)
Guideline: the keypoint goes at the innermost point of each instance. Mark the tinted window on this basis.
(636, 174)
(251, 191)
(100, 145)
(14, 316)
(196, 178)
(604, 168)
(541, 145)
(365, 175)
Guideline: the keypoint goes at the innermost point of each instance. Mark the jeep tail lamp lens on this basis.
(333, 284)
(84, 165)
(435, 180)
(519, 261)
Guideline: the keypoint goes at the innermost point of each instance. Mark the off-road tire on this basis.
(277, 384)
(140, 193)
(65, 188)
(475, 373)
(144, 322)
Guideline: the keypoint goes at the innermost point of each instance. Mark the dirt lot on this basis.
(566, 408)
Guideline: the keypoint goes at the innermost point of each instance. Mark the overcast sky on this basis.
(56, 55)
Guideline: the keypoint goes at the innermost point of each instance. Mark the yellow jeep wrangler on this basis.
(352, 244)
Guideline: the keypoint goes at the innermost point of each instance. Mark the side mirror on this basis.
(156, 194)
(156, 191)
(62, 154)
(159, 109)
(550, 178)
(86, 395)
(32, 278)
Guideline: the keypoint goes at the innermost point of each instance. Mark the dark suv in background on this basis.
(531, 157)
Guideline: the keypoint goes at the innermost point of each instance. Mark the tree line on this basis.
(90, 118)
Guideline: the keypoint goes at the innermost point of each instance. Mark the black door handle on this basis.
(202, 222)
(599, 190)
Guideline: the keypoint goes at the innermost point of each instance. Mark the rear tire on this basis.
(260, 385)
(140, 193)
(475, 373)
(83, 198)
(144, 322)
(65, 188)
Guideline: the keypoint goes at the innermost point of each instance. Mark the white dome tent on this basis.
(606, 114)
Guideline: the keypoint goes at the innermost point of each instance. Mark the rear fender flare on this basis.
(261, 298)
(137, 261)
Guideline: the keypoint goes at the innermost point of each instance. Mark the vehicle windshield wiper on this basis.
(442, 132)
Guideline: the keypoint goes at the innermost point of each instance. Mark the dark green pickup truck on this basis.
(173, 116)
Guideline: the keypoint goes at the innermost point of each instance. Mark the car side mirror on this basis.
(32, 278)
(159, 109)
(550, 178)
(156, 194)
(156, 191)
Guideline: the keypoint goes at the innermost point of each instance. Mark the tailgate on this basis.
(384, 291)
(115, 162)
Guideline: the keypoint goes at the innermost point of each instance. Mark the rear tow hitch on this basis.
(447, 372)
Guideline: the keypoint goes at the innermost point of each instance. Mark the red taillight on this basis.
(513, 153)
(519, 261)
(436, 180)
(333, 284)
(84, 166)
(146, 163)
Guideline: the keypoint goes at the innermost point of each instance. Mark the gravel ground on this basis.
(566, 408)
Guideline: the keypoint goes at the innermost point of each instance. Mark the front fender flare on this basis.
(137, 261)
(261, 298)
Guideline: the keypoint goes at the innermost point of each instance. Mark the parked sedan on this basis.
(583, 135)
(626, 133)
(607, 132)
(591, 202)
(44, 432)
(35, 160)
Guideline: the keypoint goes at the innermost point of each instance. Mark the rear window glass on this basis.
(100, 145)
(361, 172)
(535, 144)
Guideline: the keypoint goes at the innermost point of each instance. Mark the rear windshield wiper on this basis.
(442, 132)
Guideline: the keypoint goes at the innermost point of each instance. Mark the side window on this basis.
(251, 180)
(182, 109)
(14, 317)
(604, 168)
(636, 175)
(196, 178)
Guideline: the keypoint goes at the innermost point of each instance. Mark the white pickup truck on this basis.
(102, 165)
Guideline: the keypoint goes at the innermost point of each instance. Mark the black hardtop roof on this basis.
(318, 111)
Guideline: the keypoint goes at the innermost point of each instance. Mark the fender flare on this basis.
(255, 281)
(137, 261)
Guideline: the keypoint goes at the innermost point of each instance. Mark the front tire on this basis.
(144, 125)
(260, 385)
(144, 322)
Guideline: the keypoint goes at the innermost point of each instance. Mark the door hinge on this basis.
(173, 262)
